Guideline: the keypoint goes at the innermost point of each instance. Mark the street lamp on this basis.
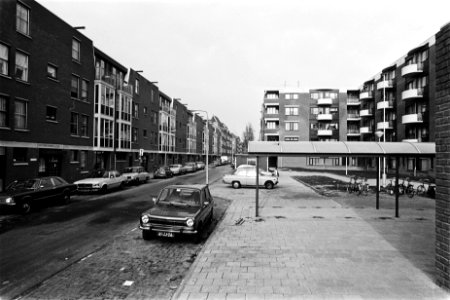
(379, 134)
(207, 141)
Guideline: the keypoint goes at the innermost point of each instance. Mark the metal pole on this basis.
(397, 162)
(384, 128)
(378, 185)
(207, 148)
(257, 188)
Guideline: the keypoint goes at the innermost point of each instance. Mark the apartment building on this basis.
(46, 94)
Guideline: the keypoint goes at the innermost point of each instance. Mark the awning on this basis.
(362, 149)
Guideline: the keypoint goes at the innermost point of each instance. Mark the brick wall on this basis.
(443, 156)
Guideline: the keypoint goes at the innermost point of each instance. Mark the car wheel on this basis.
(269, 185)
(104, 189)
(147, 235)
(66, 198)
(198, 235)
(25, 207)
(147, 179)
(236, 184)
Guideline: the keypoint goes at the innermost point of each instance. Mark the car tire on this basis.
(25, 207)
(236, 184)
(269, 185)
(66, 198)
(104, 189)
(147, 235)
(198, 235)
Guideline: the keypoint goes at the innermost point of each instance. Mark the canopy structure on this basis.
(361, 149)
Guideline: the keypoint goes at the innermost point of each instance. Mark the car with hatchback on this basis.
(190, 167)
(246, 176)
(177, 169)
(163, 172)
(101, 181)
(200, 165)
(136, 175)
(23, 194)
(178, 210)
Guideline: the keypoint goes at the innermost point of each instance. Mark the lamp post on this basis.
(207, 141)
(379, 134)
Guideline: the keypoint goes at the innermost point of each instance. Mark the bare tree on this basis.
(248, 136)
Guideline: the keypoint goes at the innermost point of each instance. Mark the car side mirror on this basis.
(206, 203)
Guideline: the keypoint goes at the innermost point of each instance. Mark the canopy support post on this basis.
(378, 185)
(397, 167)
(257, 188)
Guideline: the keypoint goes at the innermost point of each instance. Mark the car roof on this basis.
(187, 186)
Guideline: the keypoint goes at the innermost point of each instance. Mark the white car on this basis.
(102, 181)
(136, 175)
(177, 169)
(246, 176)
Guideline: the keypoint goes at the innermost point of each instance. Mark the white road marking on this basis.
(128, 283)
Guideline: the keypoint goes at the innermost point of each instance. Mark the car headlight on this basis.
(190, 222)
(145, 219)
(9, 200)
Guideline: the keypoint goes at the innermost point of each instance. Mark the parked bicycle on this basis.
(352, 185)
(363, 187)
(425, 187)
(389, 188)
(409, 190)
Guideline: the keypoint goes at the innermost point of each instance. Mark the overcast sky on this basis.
(220, 56)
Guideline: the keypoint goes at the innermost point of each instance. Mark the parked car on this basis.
(136, 175)
(22, 195)
(200, 165)
(101, 181)
(246, 176)
(272, 171)
(178, 210)
(190, 167)
(177, 169)
(163, 172)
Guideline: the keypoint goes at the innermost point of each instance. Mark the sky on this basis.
(220, 56)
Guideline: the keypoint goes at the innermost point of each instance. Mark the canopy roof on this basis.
(363, 149)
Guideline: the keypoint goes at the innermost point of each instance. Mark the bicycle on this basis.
(352, 185)
(409, 190)
(363, 187)
(430, 189)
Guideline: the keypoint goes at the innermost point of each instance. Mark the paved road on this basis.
(46, 243)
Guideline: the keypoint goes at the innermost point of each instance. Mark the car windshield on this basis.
(129, 170)
(179, 197)
(29, 184)
(97, 173)
(174, 166)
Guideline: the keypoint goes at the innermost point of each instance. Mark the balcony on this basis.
(411, 140)
(366, 112)
(324, 117)
(353, 102)
(385, 104)
(412, 69)
(324, 132)
(412, 94)
(365, 130)
(385, 125)
(127, 88)
(271, 113)
(366, 95)
(324, 101)
(353, 117)
(386, 84)
(353, 133)
(412, 119)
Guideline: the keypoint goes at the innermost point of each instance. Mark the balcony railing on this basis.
(368, 112)
(366, 95)
(324, 132)
(386, 84)
(353, 101)
(365, 130)
(324, 101)
(412, 93)
(385, 125)
(385, 104)
(354, 117)
(412, 69)
(412, 119)
(353, 132)
(324, 117)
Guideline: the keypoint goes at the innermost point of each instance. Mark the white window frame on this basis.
(22, 20)
(4, 59)
(76, 51)
(23, 68)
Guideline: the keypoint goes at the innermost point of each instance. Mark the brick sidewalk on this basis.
(309, 246)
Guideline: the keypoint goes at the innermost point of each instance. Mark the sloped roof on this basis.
(365, 149)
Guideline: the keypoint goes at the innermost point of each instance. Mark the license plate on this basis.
(166, 234)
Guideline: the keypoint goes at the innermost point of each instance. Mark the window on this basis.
(145, 110)
(74, 90)
(23, 19)
(295, 96)
(144, 133)
(287, 96)
(84, 125)
(73, 156)
(75, 49)
(136, 110)
(51, 71)
(20, 155)
(291, 139)
(51, 113)
(84, 90)
(20, 114)
(291, 126)
(83, 158)
(74, 124)
(3, 112)
(271, 125)
(137, 86)
(272, 110)
(315, 96)
(4, 59)
(21, 66)
(291, 111)
(134, 136)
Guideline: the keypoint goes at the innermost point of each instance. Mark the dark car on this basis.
(22, 195)
(178, 210)
(163, 172)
